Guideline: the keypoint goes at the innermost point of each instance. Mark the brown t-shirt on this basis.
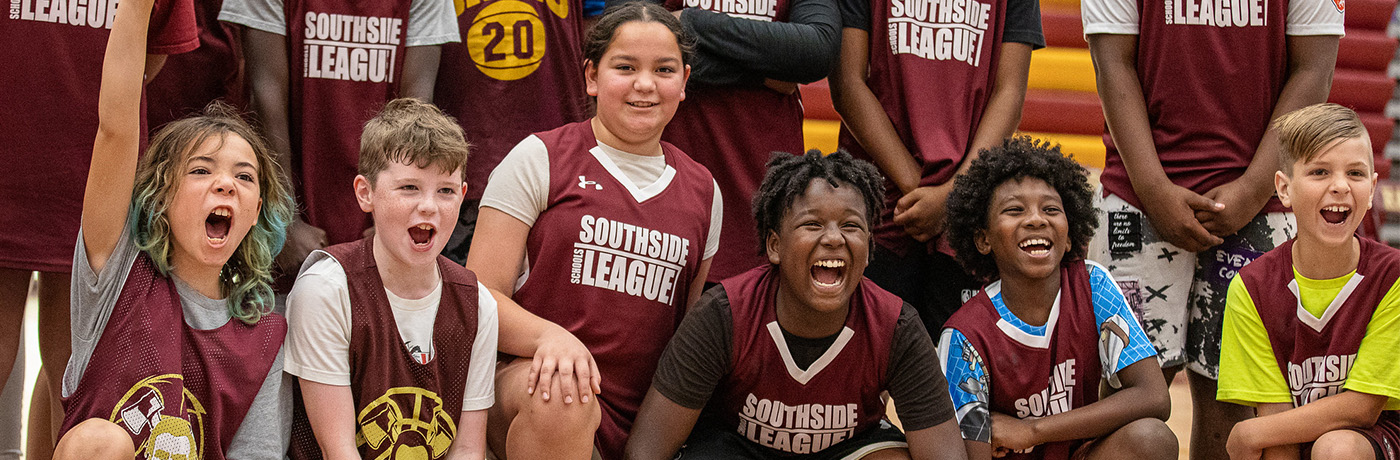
(699, 356)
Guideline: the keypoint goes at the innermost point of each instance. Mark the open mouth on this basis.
(422, 235)
(1335, 214)
(217, 224)
(1036, 246)
(828, 273)
(643, 105)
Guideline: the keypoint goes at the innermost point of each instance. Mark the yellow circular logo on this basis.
(507, 40)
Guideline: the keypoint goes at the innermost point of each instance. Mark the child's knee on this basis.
(1342, 444)
(1148, 438)
(555, 416)
(95, 439)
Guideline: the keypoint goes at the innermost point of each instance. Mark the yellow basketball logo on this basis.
(406, 423)
(507, 40)
(141, 411)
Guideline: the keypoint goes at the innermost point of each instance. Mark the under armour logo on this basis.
(584, 183)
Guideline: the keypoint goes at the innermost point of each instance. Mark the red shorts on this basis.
(1384, 435)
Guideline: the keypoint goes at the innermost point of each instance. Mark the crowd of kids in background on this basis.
(422, 229)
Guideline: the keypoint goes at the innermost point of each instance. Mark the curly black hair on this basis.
(788, 176)
(1016, 158)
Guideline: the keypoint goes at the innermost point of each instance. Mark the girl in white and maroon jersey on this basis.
(603, 229)
(1025, 357)
(175, 350)
(790, 359)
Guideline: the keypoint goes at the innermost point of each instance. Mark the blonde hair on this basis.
(1305, 132)
(410, 131)
(247, 276)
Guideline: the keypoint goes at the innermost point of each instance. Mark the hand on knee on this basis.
(95, 439)
(562, 419)
(1342, 444)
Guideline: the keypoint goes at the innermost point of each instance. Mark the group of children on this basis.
(589, 265)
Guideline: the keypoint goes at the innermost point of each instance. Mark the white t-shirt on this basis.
(519, 186)
(1305, 17)
(318, 330)
(430, 22)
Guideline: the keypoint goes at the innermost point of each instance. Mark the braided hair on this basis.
(788, 176)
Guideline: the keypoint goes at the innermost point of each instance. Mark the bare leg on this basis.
(40, 445)
(1211, 420)
(12, 410)
(1343, 444)
(522, 426)
(95, 439)
(54, 343)
(1143, 439)
(14, 292)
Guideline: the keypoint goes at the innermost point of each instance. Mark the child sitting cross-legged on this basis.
(1311, 328)
(1026, 357)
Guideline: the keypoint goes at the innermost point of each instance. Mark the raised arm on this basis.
(1311, 59)
(112, 175)
(1172, 211)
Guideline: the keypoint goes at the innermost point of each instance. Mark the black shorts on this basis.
(709, 441)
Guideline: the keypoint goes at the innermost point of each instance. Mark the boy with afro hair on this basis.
(1056, 325)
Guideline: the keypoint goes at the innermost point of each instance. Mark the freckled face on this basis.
(414, 209)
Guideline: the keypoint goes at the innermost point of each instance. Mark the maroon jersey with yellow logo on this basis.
(401, 406)
(512, 53)
(179, 392)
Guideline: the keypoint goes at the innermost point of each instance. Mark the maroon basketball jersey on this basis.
(400, 404)
(1205, 127)
(49, 100)
(732, 130)
(913, 44)
(511, 54)
(614, 268)
(1033, 377)
(346, 60)
(1315, 354)
(775, 404)
(179, 392)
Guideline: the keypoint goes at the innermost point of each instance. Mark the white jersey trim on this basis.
(797, 373)
(1319, 323)
(1027, 339)
(638, 194)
